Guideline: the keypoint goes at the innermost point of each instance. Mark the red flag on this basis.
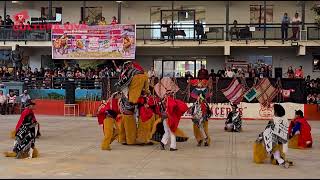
(234, 92)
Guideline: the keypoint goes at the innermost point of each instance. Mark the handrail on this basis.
(152, 32)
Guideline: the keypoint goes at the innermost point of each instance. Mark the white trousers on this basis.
(167, 134)
(277, 156)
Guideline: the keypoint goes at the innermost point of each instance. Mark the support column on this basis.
(50, 10)
(227, 20)
(264, 22)
(301, 51)
(303, 12)
(227, 50)
(4, 10)
(119, 11)
(84, 10)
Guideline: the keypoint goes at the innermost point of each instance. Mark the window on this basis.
(182, 19)
(178, 68)
(257, 14)
(5, 58)
(56, 13)
(91, 14)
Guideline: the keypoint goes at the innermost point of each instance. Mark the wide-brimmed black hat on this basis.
(299, 113)
(279, 110)
(30, 102)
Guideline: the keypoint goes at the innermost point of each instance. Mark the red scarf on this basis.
(175, 109)
(24, 114)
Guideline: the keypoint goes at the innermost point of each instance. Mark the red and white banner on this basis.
(251, 111)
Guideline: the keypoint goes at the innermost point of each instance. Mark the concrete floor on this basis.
(70, 148)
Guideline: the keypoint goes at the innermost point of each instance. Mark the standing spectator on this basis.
(114, 20)
(212, 74)
(284, 26)
(299, 72)
(1, 21)
(252, 73)
(8, 21)
(203, 73)
(235, 30)
(3, 102)
(198, 27)
(269, 71)
(262, 73)
(296, 21)
(11, 98)
(290, 72)
(25, 97)
(229, 73)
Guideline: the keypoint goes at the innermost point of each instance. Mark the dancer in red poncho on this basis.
(174, 109)
(147, 117)
(25, 137)
(107, 114)
(300, 132)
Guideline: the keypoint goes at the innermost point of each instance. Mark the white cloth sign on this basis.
(267, 137)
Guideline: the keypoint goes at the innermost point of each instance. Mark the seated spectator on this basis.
(114, 20)
(299, 132)
(299, 73)
(3, 103)
(188, 75)
(262, 73)
(229, 73)
(102, 21)
(11, 102)
(235, 30)
(203, 73)
(168, 31)
(25, 97)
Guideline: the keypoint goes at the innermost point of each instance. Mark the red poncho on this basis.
(24, 114)
(305, 131)
(175, 109)
(102, 111)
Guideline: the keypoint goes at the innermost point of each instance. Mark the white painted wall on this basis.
(139, 11)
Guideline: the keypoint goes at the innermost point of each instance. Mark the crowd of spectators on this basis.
(43, 77)
(313, 90)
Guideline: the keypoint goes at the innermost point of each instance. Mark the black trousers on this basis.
(284, 33)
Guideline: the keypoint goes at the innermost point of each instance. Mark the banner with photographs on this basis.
(93, 42)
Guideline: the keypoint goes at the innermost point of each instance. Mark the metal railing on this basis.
(180, 32)
(57, 82)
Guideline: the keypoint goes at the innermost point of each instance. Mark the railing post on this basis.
(265, 19)
(119, 11)
(50, 10)
(303, 11)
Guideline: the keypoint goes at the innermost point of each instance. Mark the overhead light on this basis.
(262, 47)
(119, 1)
(15, 2)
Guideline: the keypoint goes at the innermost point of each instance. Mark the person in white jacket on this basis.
(273, 140)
